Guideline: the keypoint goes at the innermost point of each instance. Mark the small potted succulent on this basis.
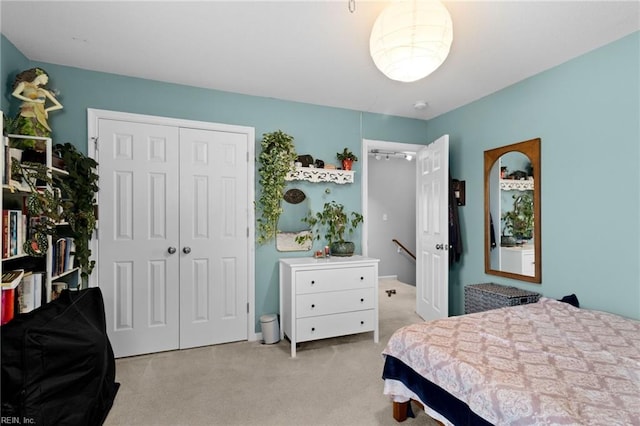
(347, 157)
(334, 222)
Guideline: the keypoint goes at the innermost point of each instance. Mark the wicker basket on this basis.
(482, 297)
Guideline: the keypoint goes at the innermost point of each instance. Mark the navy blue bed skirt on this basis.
(456, 411)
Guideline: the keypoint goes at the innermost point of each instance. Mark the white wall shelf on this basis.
(516, 185)
(321, 175)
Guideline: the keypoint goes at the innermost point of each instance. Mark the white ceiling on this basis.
(311, 51)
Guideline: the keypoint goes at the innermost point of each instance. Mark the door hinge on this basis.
(247, 307)
(247, 156)
(95, 143)
(247, 232)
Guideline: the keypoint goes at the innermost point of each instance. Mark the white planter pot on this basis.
(16, 153)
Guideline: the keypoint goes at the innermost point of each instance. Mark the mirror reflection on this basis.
(295, 206)
(512, 211)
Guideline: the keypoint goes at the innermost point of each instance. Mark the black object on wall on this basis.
(459, 191)
(58, 366)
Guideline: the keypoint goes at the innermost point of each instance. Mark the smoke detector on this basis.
(420, 105)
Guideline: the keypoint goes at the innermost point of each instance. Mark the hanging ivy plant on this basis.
(81, 188)
(276, 160)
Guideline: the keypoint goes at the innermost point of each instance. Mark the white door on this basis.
(139, 278)
(432, 228)
(173, 243)
(213, 237)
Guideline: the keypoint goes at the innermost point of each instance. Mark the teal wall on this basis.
(587, 113)
(11, 63)
(318, 130)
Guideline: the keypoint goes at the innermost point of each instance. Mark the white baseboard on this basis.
(387, 277)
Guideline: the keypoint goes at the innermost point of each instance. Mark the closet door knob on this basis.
(186, 250)
(171, 250)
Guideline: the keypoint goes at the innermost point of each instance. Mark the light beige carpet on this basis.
(330, 382)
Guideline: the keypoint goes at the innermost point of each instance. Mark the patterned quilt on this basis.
(546, 363)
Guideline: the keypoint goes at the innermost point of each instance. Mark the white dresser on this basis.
(518, 260)
(321, 298)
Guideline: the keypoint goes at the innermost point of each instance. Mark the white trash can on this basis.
(270, 329)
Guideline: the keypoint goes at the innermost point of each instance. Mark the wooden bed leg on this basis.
(400, 410)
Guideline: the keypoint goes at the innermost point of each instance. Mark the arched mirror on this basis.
(512, 245)
(295, 206)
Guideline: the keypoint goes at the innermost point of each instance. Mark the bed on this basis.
(542, 363)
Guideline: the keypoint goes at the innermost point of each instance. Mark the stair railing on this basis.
(402, 247)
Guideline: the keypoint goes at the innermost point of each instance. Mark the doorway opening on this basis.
(389, 203)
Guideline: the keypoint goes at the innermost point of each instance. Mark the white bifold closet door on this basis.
(172, 239)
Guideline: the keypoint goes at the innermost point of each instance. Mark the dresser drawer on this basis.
(334, 302)
(334, 279)
(322, 327)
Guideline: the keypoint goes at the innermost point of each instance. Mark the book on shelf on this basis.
(10, 280)
(39, 291)
(29, 291)
(68, 264)
(17, 237)
(72, 254)
(7, 308)
(5, 234)
(61, 256)
(14, 230)
(25, 293)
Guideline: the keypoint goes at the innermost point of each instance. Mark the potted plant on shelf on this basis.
(276, 160)
(44, 204)
(347, 158)
(333, 222)
(34, 148)
(519, 221)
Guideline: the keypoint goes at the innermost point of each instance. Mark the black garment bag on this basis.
(58, 366)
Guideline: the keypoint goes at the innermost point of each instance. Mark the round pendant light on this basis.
(411, 39)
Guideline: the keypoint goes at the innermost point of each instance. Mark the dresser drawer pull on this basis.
(362, 300)
(313, 306)
(313, 329)
(312, 282)
(361, 278)
(361, 322)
